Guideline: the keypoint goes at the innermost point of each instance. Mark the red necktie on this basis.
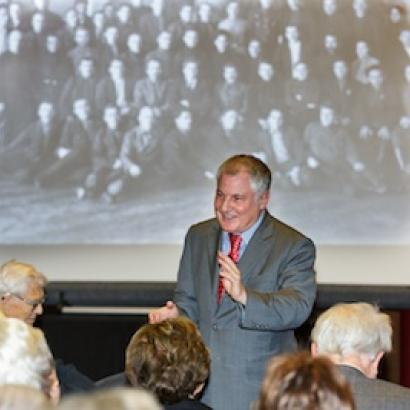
(234, 255)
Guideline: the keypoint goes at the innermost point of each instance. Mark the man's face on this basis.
(116, 69)
(111, 35)
(221, 43)
(153, 70)
(359, 7)
(292, 33)
(111, 117)
(254, 48)
(14, 41)
(340, 69)
(45, 112)
(375, 77)
(164, 40)
(82, 37)
(300, 72)
(407, 73)
(236, 205)
(190, 71)
(275, 119)
(185, 13)
(229, 120)
(329, 6)
(230, 74)
(124, 13)
(86, 68)
(265, 71)
(190, 38)
(326, 116)
(25, 307)
(184, 121)
(52, 44)
(134, 42)
(81, 109)
(362, 50)
(37, 22)
(330, 42)
(204, 12)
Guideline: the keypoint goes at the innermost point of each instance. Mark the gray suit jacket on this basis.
(375, 394)
(277, 271)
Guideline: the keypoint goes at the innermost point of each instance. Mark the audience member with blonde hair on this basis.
(118, 399)
(171, 360)
(355, 336)
(299, 382)
(20, 397)
(25, 358)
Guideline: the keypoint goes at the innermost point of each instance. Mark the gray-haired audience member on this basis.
(20, 397)
(355, 337)
(118, 399)
(22, 297)
(25, 358)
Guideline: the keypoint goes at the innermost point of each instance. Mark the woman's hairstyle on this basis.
(25, 357)
(116, 398)
(300, 382)
(168, 358)
(352, 328)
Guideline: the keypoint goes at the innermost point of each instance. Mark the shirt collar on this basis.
(247, 235)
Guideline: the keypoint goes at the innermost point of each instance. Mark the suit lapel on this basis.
(214, 242)
(258, 249)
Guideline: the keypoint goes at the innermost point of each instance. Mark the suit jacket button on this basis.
(215, 327)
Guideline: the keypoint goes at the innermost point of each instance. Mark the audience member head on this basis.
(168, 358)
(21, 291)
(354, 334)
(298, 381)
(21, 397)
(118, 399)
(24, 355)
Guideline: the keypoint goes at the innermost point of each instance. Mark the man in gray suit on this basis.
(246, 311)
(355, 337)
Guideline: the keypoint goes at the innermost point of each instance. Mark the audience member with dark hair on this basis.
(171, 360)
(300, 382)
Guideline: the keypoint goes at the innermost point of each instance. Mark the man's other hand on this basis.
(169, 311)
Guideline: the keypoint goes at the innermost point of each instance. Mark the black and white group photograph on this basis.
(114, 116)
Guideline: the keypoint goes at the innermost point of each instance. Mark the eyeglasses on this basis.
(33, 303)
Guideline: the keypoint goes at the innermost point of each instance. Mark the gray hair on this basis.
(352, 328)
(16, 277)
(25, 357)
(260, 173)
(116, 398)
(19, 397)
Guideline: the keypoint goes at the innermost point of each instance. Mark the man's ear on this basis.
(313, 349)
(263, 200)
(374, 365)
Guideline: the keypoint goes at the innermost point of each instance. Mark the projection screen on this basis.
(115, 115)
